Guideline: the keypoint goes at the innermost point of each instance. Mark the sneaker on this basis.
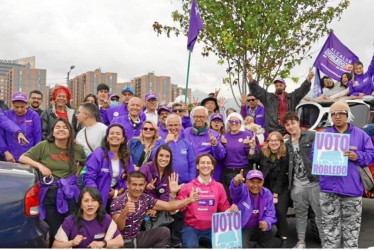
(300, 245)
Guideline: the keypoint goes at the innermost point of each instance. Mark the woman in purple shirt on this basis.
(361, 83)
(109, 165)
(236, 142)
(90, 227)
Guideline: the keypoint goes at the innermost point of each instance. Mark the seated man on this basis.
(258, 211)
(129, 210)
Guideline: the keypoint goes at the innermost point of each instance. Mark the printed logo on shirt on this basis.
(240, 140)
(366, 79)
(246, 205)
(60, 157)
(106, 170)
(255, 211)
(206, 202)
(206, 144)
(353, 148)
(28, 121)
(115, 114)
(259, 115)
(184, 151)
(99, 236)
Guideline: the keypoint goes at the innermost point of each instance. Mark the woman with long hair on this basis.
(56, 158)
(361, 83)
(109, 165)
(344, 80)
(90, 226)
(141, 147)
(272, 161)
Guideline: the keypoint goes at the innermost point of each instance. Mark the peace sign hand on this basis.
(213, 139)
(151, 185)
(247, 142)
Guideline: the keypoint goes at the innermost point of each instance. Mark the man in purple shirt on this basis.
(251, 107)
(121, 110)
(128, 210)
(27, 120)
(132, 121)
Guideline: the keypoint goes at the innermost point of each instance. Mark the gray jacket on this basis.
(305, 145)
(270, 103)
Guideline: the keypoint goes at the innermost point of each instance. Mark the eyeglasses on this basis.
(178, 110)
(148, 129)
(251, 100)
(339, 113)
(234, 121)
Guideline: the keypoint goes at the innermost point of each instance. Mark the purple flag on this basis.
(195, 25)
(333, 59)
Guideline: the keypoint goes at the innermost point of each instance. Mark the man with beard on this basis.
(35, 100)
(279, 103)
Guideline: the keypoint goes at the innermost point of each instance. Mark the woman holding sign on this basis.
(212, 199)
(272, 161)
(341, 196)
(236, 142)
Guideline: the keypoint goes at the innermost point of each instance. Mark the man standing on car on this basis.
(279, 103)
(303, 185)
(341, 196)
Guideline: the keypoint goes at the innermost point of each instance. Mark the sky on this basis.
(117, 36)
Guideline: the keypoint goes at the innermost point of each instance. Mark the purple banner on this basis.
(334, 58)
(195, 25)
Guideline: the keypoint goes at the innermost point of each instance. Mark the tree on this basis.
(269, 37)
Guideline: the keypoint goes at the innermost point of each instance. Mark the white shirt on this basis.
(151, 116)
(95, 135)
(115, 169)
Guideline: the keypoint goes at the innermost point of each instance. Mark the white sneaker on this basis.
(300, 245)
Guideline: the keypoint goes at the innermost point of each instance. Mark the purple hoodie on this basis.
(241, 196)
(161, 190)
(363, 83)
(259, 114)
(201, 143)
(351, 184)
(7, 124)
(129, 128)
(30, 123)
(99, 173)
(114, 112)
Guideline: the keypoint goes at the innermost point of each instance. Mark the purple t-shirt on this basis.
(253, 220)
(90, 229)
(134, 220)
(236, 151)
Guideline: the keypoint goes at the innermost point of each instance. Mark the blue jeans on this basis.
(191, 236)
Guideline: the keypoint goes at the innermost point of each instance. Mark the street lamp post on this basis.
(67, 78)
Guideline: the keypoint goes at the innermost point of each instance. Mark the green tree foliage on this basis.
(269, 37)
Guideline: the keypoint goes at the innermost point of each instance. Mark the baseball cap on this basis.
(279, 80)
(129, 89)
(19, 96)
(150, 96)
(113, 95)
(161, 108)
(216, 117)
(255, 174)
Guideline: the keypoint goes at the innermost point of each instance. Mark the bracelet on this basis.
(115, 193)
(105, 243)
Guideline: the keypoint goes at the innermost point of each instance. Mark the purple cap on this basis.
(113, 95)
(255, 174)
(150, 96)
(161, 108)
(129, 89)
(216, 116)
(279, 80)
(19, 96)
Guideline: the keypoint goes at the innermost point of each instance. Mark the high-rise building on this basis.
(21, 75)
(161, 85)
(86, 83)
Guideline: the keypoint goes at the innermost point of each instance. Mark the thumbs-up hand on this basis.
(129, 208)
(170, 137)
(239, 178)
(223, 139)
(213, 140)
(151, 185)
(194, 196)
(247, 141)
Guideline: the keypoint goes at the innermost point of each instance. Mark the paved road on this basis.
(367, 229)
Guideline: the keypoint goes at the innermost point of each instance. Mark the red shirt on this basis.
(62, 114)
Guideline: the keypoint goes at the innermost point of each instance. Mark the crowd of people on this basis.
(140, 174)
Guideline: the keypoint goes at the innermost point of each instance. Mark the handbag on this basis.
(163, 218)
(366, 178)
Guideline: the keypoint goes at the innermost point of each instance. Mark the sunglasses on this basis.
(148, 129)
(178, 110)
(339, 113)
(251, 100)
(234, 121)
